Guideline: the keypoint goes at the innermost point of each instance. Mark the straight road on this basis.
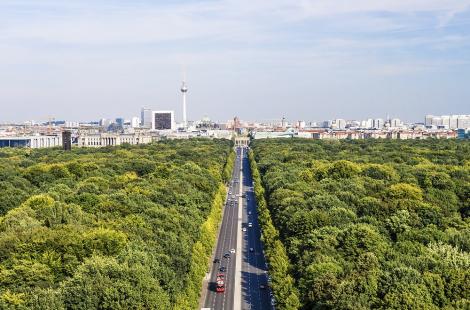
(255, 290)
(245, 270)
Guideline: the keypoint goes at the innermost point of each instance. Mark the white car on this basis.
(249, 212)
(232, 251)
(250, 224)
(244, 228)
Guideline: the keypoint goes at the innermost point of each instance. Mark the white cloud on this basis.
(91, 22)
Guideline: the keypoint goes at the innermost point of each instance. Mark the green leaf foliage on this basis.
(110, 228)
(369, 224)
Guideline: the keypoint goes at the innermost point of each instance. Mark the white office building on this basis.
(395, 123)
(448, 121)
(111, 139)
(33, 142)
(339, 123)
(105, 122)
(146, 118)
(453, 121)
(428, 120)
(369, 123)
(463, 121)
(135, 122)
(379, 123)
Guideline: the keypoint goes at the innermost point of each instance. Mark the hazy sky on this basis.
(258, 59)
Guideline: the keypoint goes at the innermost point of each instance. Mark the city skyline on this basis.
(83, 60)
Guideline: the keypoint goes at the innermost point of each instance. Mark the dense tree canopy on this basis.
(371, 224)
(110, 228)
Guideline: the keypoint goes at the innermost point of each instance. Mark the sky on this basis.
(81, 60)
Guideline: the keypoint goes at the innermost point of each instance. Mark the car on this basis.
(252, 250)
(273, 302)
(249, 212)
(250, 224)
(262, 286)
(232, 251)
(244, 228)
(222, 269)
(227, 255)
(244, 195)
(221, 276)
(216, 261)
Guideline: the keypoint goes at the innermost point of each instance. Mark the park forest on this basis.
(365, 224)
(110, 228)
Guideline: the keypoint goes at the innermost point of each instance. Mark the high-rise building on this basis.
(105, 122)
(379, 123)
(448, 121)
(67, 140)
(340, 123)
(453, 121)
(135, 122)
(163, 120)
(436, 121)
(428, 120)
(120, 122)
(445, 121)
(300, 124)
(327, 124)
(463, 121)
(146, 118)
(395, 123)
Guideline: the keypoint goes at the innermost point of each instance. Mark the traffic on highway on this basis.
(238, 278)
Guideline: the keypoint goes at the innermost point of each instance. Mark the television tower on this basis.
(184, 90)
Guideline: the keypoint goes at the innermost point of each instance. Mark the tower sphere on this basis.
(184, 89)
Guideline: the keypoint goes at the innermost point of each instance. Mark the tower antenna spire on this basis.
(184, 90)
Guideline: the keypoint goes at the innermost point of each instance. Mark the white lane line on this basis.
(238, 279)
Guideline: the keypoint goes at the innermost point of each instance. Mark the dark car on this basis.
(222, 269)
(216, 261)
(227, 255)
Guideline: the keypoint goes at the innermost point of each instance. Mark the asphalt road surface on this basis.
(254, 274)
(243, 280)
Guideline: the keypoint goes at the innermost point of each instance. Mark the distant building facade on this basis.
(146, 118)
(447, 121)
(163, 120)
(109, 139)
(33, 142)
